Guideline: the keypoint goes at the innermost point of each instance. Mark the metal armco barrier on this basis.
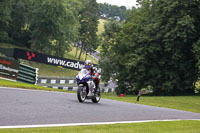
(27, 74)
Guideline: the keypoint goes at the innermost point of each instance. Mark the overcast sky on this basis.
(127, 3)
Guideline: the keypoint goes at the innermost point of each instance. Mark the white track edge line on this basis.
(89, 124)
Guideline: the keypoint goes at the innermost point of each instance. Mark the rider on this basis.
(95, 76)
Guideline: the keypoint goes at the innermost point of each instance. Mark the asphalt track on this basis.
(29, 107)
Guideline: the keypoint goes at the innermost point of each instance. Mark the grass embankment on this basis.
(53, 71)
(151, 127)
(49, 70)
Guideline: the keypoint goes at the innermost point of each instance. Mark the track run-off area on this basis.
(21, 108)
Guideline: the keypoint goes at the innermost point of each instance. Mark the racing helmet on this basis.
(88, 64)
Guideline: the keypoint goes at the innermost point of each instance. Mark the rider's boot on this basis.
(97, 87)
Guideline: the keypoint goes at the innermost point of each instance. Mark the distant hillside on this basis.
(101, 26)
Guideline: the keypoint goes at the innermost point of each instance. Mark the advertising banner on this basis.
(47, 59)
(9, 68)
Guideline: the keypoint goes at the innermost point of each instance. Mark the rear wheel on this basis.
(81, 95)
(97, 96)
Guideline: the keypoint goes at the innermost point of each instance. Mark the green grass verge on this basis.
(186, 103)
(53, 71)
(6, 83)
(150, 127)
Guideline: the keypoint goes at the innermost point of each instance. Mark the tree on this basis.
(47, 26)
(109, 59)
(54, 25)
(89, 21)
(171, 64)
(19, 32)
(112, 11)
(155, 48)
(5, 10)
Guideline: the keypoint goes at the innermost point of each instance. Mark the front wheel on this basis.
(97, 96)
(81, 95)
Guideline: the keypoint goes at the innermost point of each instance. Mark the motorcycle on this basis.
(83, 79)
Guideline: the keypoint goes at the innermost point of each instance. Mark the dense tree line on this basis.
(48, 26)
(157, 47)
(5, 10)
(112, 11)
